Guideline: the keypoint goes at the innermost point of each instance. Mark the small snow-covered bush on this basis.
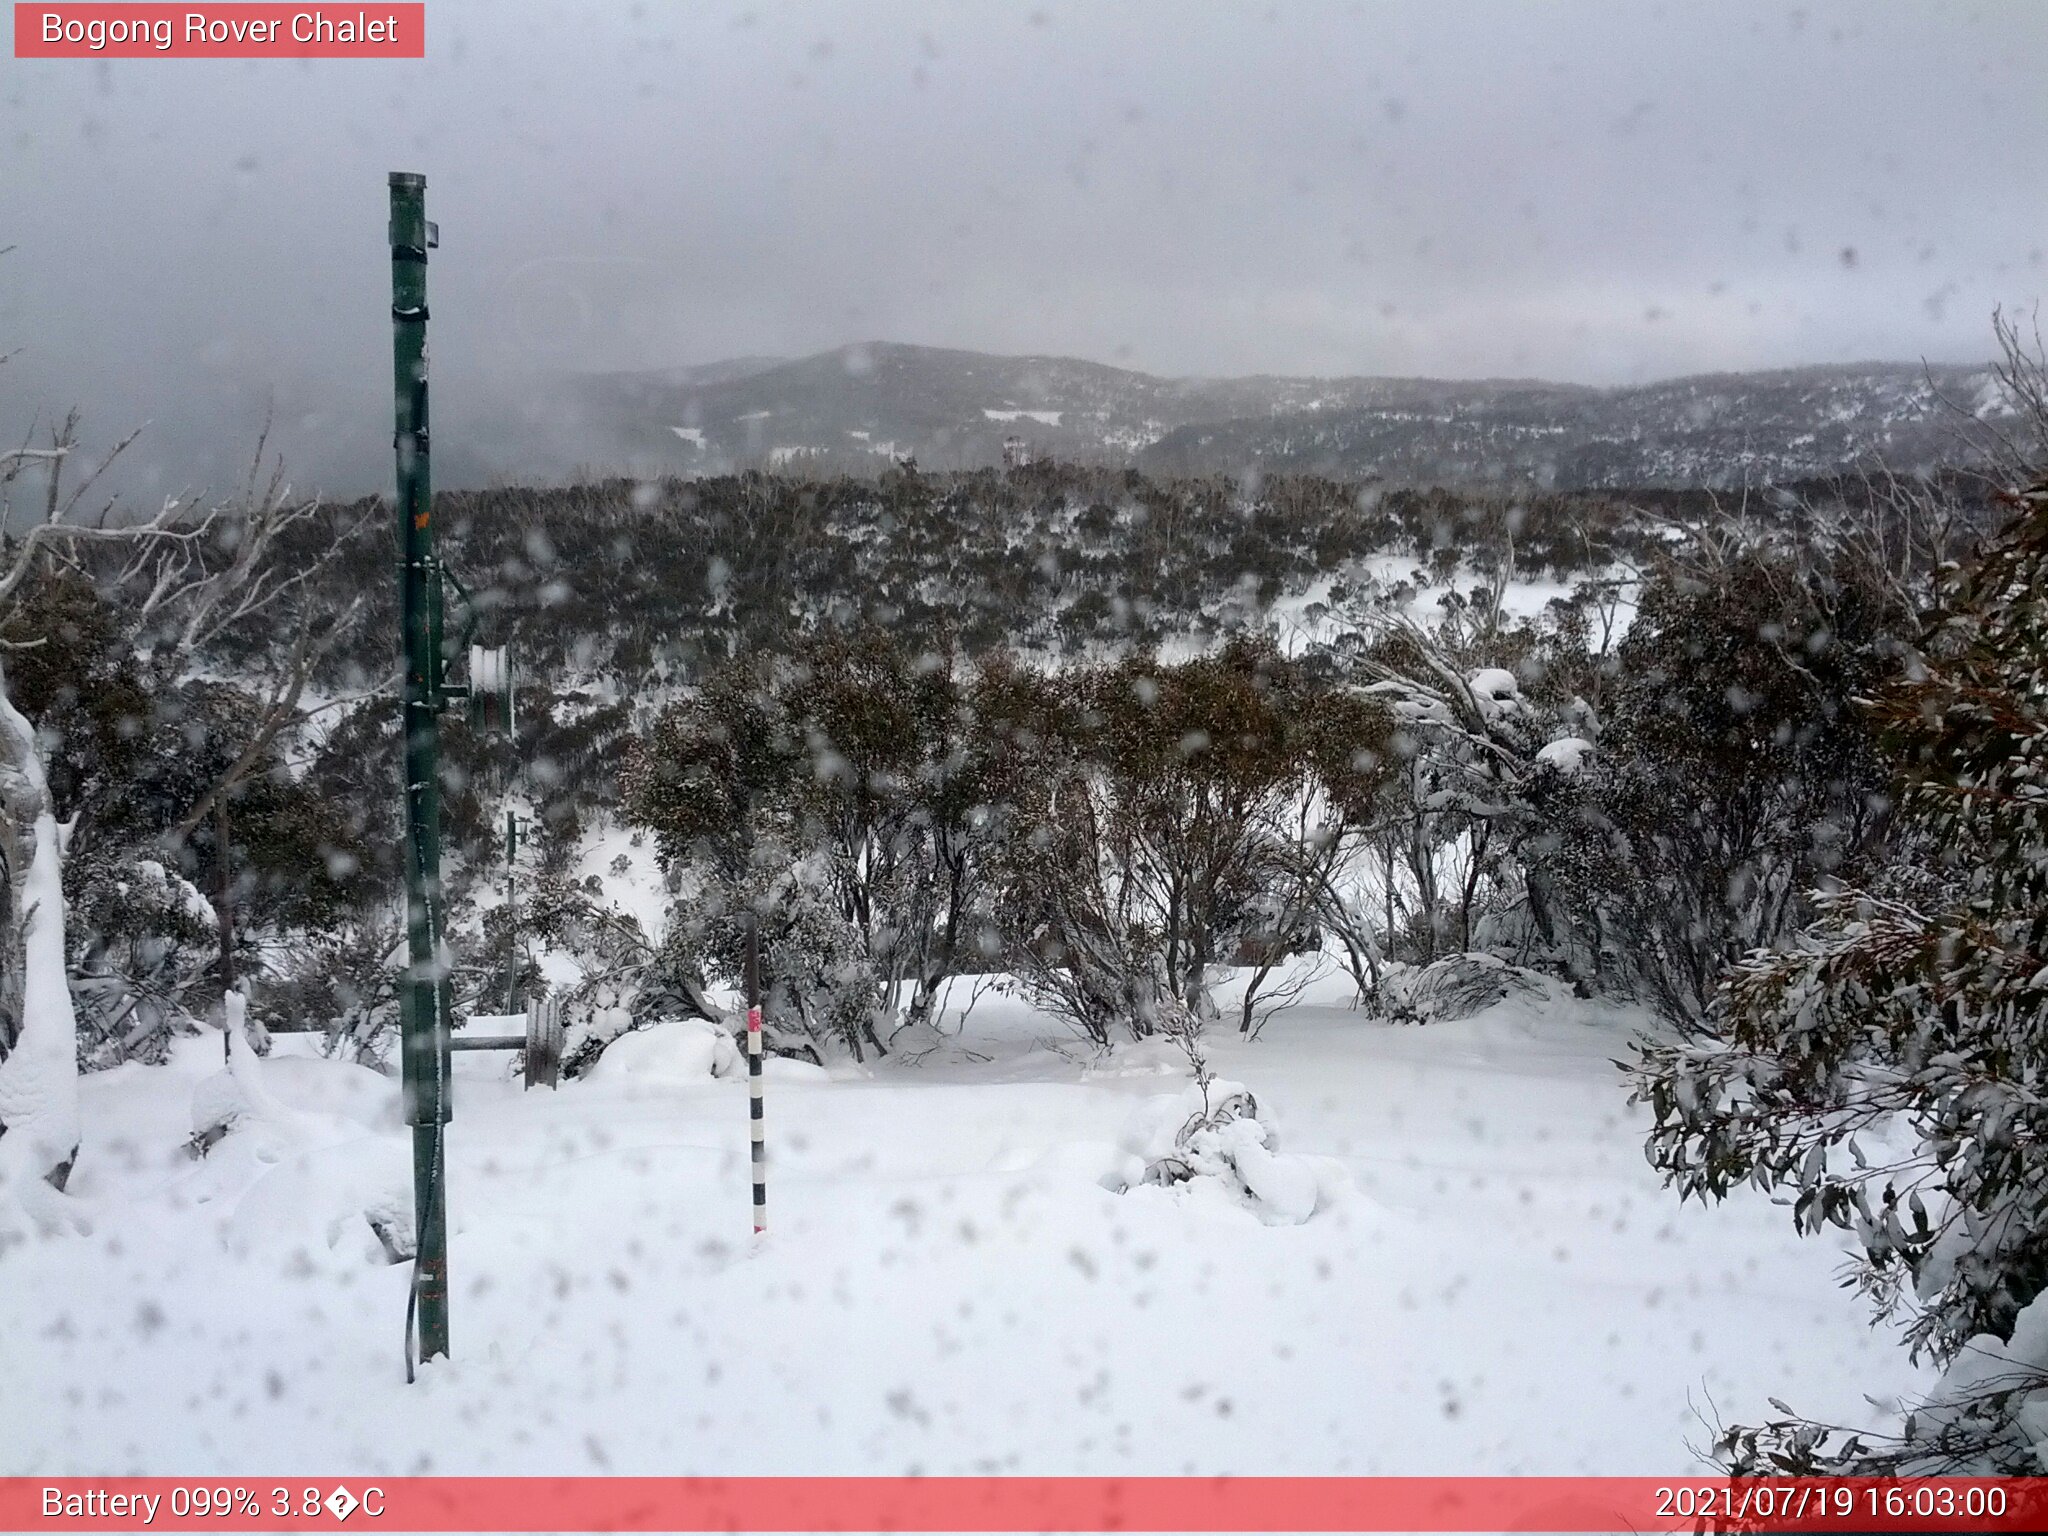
(1210, 1133)
(145, 943)
(668, 1051)
(260, 1088)
(822, 994)
(622, 978)
(1455, 987)
(343, 980)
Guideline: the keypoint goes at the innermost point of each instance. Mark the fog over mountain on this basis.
(1576, 192)
(862, 408)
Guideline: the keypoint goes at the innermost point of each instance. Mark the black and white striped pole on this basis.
(756, 1126)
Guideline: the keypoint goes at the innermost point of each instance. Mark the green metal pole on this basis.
(423, 994)
(225, 920)
(511, 912)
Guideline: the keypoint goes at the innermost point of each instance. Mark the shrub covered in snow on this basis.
(1566, 755)
(1181, 815)
(620, 977)
(668, 1051)
(154, 943)
(39, 1122)
(1735, 771)
(1210, 1134)
(1455, 987)
(1455, 826)
(842, 799)
(821, 993)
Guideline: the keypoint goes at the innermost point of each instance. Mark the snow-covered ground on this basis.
(1305, 618)
(1494, 1282)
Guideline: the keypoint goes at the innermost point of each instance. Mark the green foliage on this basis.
(71, 670)
(672, 577)
(858, 761)
(1195, 771)
(1736, 772)
(696, 776)
(1919, 1003)
(1111, 832)
(130, 753)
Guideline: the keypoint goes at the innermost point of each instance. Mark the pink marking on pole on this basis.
(753, 1021)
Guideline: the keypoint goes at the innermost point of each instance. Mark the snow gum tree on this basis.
(1736, 772)
(104, 617)
(1181, 815)
(1194, 759)
(1886, 1073)
(1467, 743)
(844, 799)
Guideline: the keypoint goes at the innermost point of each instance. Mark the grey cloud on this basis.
(1586, 192)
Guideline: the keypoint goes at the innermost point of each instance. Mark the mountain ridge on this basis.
(868, 404)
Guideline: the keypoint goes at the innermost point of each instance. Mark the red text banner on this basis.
(1121, 1504)
(241, 31)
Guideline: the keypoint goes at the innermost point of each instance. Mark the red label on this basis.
(1001, 1504)
(104, 31)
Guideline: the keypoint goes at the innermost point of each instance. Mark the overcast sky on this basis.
(1590, 192)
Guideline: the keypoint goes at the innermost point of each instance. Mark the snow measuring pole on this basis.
(757, 1142)
(423, 993)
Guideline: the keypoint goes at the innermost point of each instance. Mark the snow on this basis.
(337, 1090)
(673, 1051)
(1213, 1138)
(1527, 598)
(788, 1069)
(39, 1078)
(1567, 754)
(1988, 1364)
(1043, 418)
(1455, 987)
(1495, 691)
(1283, 1190)
(634, 886)
(489, 671)
(1307, 617)
(1490, 1278)
(886, 449)
(187, 895)
(1993, 398)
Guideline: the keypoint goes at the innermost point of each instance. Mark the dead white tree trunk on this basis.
(39, 1128)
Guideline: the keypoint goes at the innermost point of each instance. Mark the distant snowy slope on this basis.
(953, 409)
